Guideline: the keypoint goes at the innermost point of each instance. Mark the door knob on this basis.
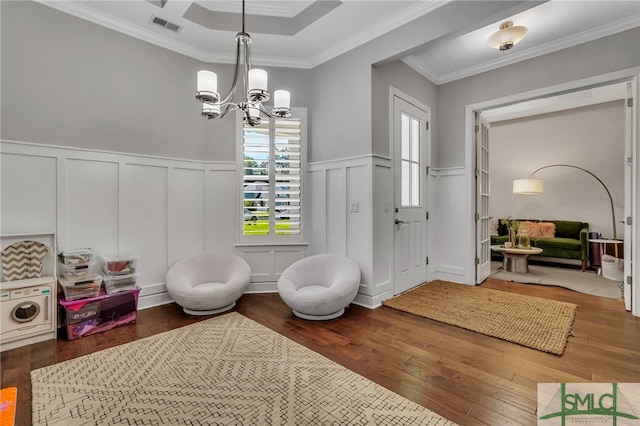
(398, 221)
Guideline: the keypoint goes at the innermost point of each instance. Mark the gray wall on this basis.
(404, 78)
(341, 101)
(69, 82)
(589, 137)
(98, 89)
(613, 53)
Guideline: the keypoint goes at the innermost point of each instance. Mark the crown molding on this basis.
(266, 61)
(518, 56)
(83, 12)
(421, 68)
(420, 9)
(87, 14)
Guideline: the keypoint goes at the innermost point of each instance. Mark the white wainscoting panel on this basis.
(144, 221)
(165, 209)
(336, 207)
(28, 193)
(359, 239)
(448, 227)
(284, 259)
(223, 208)
(316, 212)
(92, 204)
(160, 209)
(267, 262)
(383, 231)
(186, 213)
(343, 218)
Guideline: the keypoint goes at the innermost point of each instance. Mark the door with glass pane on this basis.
(483, 239)
(410, 189)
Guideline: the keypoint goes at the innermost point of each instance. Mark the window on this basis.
(410, 160)
(272, 160)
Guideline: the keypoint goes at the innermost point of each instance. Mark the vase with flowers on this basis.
(512, 226)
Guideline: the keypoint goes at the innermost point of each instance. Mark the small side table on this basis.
(603, 242)
(515, 259)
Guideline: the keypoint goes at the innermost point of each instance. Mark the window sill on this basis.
(271, 244)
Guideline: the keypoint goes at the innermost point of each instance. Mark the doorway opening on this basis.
(518, 163)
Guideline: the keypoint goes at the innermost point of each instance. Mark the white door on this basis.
(410, 136)
(483, 239)
(630, 194)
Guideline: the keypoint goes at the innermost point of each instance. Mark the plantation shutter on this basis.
(256, 193)
(287, 172)
(272, 177)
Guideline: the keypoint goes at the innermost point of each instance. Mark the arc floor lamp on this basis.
(533, 186)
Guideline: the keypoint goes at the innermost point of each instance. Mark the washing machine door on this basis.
(25, 312)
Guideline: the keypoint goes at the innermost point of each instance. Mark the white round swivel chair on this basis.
(208, 283)
(320, 287)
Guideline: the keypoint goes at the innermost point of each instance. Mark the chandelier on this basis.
(254, 82)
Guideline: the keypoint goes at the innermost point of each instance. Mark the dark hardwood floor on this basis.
(467, 377)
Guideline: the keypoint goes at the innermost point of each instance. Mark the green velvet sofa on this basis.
(570, 241)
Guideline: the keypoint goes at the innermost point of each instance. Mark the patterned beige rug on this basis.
(228, 370)
(533, 322)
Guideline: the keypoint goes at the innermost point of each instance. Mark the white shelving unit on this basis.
(41, 291)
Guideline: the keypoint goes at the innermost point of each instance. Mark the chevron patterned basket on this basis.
(23, 260)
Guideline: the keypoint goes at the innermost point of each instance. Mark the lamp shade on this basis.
(281, 99)
(207, 81)
(257, 79)
(507, 37)
(528, 186)
(207, 87)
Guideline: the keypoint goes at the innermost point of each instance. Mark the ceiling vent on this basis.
(165, 24)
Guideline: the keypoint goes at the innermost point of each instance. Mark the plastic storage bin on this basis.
(74, 257)
(77, 270)
(98, 314)
(117, 283)
(119, 263)
(80, 287)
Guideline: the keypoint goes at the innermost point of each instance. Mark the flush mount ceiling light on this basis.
(507, 37)
(254, 83)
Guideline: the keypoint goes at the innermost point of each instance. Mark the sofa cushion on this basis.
(568, 229)
(538, 229)
(561, 243)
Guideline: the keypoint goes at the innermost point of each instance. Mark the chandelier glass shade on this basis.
(254, 83)
(507, 36)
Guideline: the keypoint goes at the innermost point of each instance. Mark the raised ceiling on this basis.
(304, 34)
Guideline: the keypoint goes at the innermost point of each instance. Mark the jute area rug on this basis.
(533, 322)
(228, 370)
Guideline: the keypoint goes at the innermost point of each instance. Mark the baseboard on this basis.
(371, 302)
(153, 300)
(262, 287)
